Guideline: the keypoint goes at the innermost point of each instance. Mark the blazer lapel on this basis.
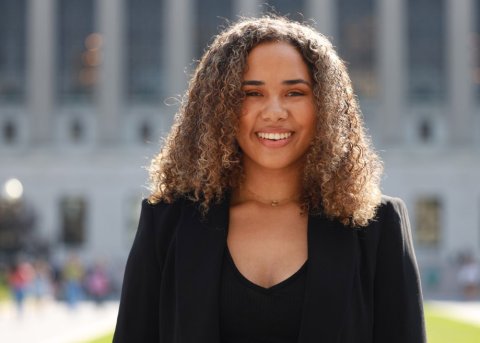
(200, 246)
(331, 264)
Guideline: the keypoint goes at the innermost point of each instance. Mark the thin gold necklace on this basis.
(271, 202)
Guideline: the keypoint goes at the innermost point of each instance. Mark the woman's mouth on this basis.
(274, 136)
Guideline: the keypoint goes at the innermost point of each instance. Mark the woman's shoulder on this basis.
(392, 217)
(389, 231)
(158, 222)
(388, 200)
(390, 205)
(162, 208)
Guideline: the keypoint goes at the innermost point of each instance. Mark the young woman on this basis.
(266, 222)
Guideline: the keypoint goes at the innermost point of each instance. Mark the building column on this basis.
(110, 24)
(392, 62)
(460, 26)
(247, 8)
(179, 24)
(324, 13)
(41, 21)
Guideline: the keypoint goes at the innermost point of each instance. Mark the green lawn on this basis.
(4, 292)
(445, 330)
(439, 330)
(104, 339)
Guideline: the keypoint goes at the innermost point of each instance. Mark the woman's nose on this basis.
(274, 110)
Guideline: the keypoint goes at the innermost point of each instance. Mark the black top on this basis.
(173, 275)
(250, 313)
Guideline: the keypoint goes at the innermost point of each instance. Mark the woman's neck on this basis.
(270, 187)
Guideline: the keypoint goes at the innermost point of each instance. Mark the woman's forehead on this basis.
(280, 58)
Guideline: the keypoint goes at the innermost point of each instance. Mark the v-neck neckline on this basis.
(266, 290)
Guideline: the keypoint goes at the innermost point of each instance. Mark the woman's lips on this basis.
(274, 135)
(274, 139)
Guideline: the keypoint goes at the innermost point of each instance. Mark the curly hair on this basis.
(201, 157)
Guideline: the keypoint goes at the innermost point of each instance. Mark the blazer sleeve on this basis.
(138, 315)
(398, 304)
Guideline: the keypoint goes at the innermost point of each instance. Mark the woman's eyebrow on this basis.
(296, 81)
(252, 83)
(286, 82)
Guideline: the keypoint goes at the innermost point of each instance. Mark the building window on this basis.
(428, 215)
(145, 132)
(291, 9)
(12, 50)
(76, 131)
(79, 51)
(9, 132)
(356, 44)
(426, 50)
(212, 15)
(73, 219)
(17, 221)
(146, 78)
(425, 130)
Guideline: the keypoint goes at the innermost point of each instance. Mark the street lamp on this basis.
(13, 189)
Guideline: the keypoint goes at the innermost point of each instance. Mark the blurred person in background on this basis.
(20, 279)
(468, 276)
(98, 282)
(42, 283)
(72, 278)
(266, 222)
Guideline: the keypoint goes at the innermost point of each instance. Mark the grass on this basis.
(440, 329)
(104, 339)
(4, 292)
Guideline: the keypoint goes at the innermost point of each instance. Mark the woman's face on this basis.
(277, 120)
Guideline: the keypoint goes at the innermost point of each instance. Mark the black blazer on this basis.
(362, 285)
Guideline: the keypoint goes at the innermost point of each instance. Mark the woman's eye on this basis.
(252, 93)
(295, 93)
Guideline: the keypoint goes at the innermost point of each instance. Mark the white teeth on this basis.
(274, 136)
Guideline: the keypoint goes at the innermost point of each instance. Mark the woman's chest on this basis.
(268, 248)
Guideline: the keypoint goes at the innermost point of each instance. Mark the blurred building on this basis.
(87, 88)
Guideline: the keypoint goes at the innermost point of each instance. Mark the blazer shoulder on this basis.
(156, 229)
(394, 221)
(396, 272)
(161, 212)
(160, 205)
(390, 205)
(388, 200)
(391, 217)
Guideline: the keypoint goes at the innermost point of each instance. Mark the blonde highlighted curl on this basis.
(202, 160)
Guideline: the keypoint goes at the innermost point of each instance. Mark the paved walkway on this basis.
(56, 323)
